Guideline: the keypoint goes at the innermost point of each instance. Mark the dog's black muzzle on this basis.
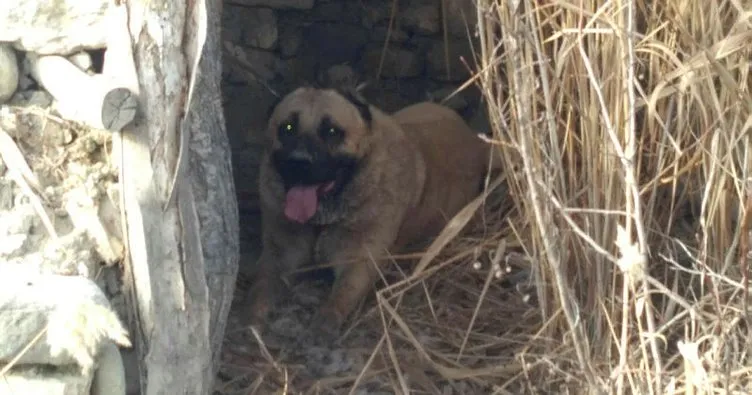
(306, 164)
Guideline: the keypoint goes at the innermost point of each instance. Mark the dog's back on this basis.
(456, 161)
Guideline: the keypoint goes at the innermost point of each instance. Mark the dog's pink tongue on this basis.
(301, 203)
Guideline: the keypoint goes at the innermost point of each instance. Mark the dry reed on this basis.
(625, 129)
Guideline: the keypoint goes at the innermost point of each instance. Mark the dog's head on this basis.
(317, 139)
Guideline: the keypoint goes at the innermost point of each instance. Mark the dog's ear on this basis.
(309, 84)
(360, 103)
(281, 93)
(353, 94)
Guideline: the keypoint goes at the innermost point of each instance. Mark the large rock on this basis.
(246, 122)
(387, 95)
(348, 12)
(421, 17)
(397, 35)
(54, 26)
(459, 50)
(375, 11)
(43, 380)
(340, 75)
(289, 40)
(398, 62)
(336, 42)
(71, 313)
(259, 63)
(324, 45)
(278, 4)
(107, 379)
(8, 72)
(250, 26)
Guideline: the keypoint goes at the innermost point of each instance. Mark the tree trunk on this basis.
(182, 230)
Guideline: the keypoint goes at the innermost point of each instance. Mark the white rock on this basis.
(82, 60)
(15, 228)
(39, 98)
(54, 26)
(73, 310)
(278, 4)
(109, 378)
(8, 72)
(44, 380)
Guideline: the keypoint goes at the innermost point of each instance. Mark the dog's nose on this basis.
(300, 155)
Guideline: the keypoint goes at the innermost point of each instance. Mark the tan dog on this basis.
(343, 183)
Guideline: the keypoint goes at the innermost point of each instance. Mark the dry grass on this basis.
(625, 127)
(625, 131)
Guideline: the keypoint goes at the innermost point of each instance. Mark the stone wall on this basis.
(273, 46)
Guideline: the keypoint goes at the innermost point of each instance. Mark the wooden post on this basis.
(178, 197)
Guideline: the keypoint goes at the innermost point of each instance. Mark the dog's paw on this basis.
(324, 329)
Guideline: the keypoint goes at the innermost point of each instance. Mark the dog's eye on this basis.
(330, 133)
(333, 133)
(287, 128)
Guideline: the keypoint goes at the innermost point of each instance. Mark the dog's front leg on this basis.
(356, 258)
(285, 248)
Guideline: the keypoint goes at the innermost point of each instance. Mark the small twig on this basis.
(13, 158)
(21, 173)
(500, 250)
(21, 353)
(264, 351)
(392, 17)
(744, 235)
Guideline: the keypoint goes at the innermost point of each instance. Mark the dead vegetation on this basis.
(625, 127)
(628, 124)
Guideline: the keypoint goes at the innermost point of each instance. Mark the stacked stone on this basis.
(58, 320)
(290, 42)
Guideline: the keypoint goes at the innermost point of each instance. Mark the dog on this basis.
(343, 183)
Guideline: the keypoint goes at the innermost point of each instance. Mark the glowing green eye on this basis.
(287, 128)
(331, 134)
